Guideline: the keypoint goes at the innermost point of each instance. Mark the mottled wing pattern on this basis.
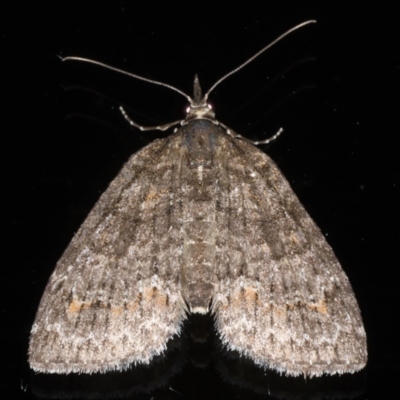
(195, 217)
(114, 297)
(281, 297)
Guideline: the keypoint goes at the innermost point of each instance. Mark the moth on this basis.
(201, 221)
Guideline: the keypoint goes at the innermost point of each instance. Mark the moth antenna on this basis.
(121, 71)
(191, 101)
(257, 54)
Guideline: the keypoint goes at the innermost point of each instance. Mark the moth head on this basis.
(200, 111)
(199, 108)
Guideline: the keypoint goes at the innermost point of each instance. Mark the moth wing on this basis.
(282, 298)
(114, 297)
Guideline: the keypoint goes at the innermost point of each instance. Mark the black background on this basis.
(333, 87)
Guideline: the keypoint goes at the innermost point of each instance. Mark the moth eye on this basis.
(209, 106)
(187, 110)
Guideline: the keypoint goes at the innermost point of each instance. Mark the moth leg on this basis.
(148, 128)
(235, 135)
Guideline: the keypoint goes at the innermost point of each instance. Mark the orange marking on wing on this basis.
(153, 295)
(152, 196)
(77, 306)
(320, 307)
